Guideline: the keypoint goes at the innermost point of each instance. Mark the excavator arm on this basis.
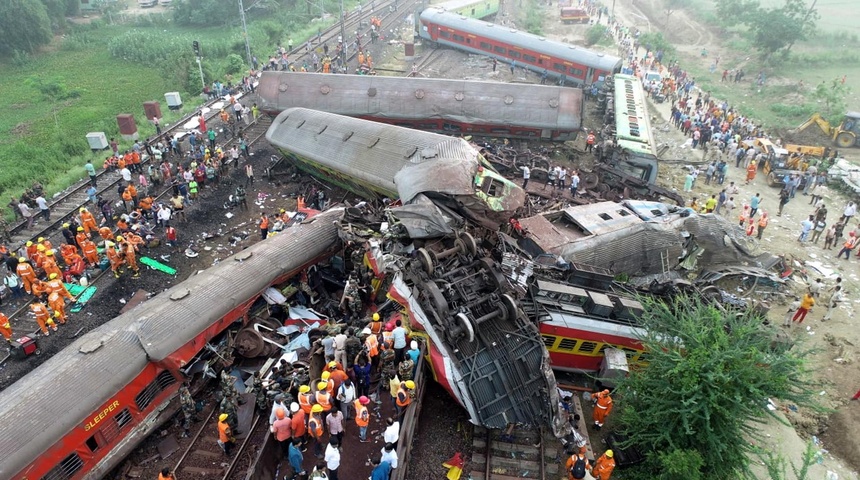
(816, 119)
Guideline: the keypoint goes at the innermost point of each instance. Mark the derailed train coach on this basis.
(379, 161)
(454, 107)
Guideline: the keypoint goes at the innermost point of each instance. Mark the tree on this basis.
(204, 12)
(24, 26)
(832, 96)
(669, 7)
(734, 12)
(709, 376)
(776, 30)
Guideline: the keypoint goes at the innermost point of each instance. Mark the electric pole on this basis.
(343, 38)
(195, 45)
(245, 32)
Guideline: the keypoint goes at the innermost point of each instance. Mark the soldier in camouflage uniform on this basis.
(387, 369)
(405, 369)
(353, 298)
(189, 410)
(230, 406)
(357, 259)
(353, 347)
(228, 384)
(260, 392)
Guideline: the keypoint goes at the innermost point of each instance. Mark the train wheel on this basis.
(249, 343)
(437, 300)
(426, 260)
(464, 321)
(468, 242)
(845, 139)
(510, 306)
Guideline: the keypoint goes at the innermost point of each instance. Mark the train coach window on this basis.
(567, 344)
(587, 347)
(560, 67)
(459, 38)
(444, 34)
(66, 469)
(529, 58)
(122, 418)
(486, 46)
(148, 394)
(548, 340)
(492, 187)
(576, 72)
(499, 49)
(93, 444)
(514, 54)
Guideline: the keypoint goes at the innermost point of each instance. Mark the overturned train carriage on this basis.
(433, 104)
(384, 161)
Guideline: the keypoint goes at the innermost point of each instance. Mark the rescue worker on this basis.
(115, 258)
(226, 440)
(88, 222)
(762, 224)
(404, 396)
(68, 234)
(228, 384)
(58, 305)
(371, 343)
(5, 328)
(76, 267)
(55, 284)
(38, 258)
(299, 426)
(376, 324)
(577, 466)
(130, 256)
(189, 410)
(330, 384)
(283, 430)
(602, 408)
(315, 429)
(362, 417)
(27, 274)
(49, 264)
(260, 393)
(66, 251)
(46, 242)
(40, 288)
(91, 252)
(406, 369)
(106, 233)
(352, 296)
(604, 466)
(264, 226)
(589, 141)
(165, 474)
(43, 318)
(81, 236)
(230, 406)
(323, 398)
(30, 249)
(305, 397)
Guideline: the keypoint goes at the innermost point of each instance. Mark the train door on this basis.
(546, 134)
(589, 76)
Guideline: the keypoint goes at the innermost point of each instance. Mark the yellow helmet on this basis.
(304, 389)
(322, 385)
(317, 409)
(50, 252)
(375, 317)
(223, 417)
(29, 243)
(83, 209)
(109, 244)
(40, 248)
(410, 384)
(80, 229)
(41, 239)
(56, 314)
(21, 259)
(66, 225)
(119, 238)
(52, 276)
(332, 364)
(609, 454)
(326, 375)
(50, 322)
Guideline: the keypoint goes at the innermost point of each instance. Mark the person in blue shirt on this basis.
(381, 470)
(295, 457)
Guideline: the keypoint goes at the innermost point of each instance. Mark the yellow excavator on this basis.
(844, 135)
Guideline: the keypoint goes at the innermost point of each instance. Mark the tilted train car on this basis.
(376, 160)
(81, 412)
(471, 8)
(575, 65)
(460, 107)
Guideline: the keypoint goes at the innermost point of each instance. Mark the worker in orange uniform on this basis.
(49, 264)
(577, 466)
(305, 399)
(55, 284)
(300, 429)
(43, 318)
(27, 274)
(589, 141)
(38, 258)
(166, 474)
(323, 398)
(762, 224)
(264, 226)
(362, 417)
(66, 251)
(31, 249)
(130, 255)
(91, 253)
(5, 328)
(46, 242)
(88, 222)
(604, 466)
(330, 385)
(127, 199)
(115, 258)
(76, 267)
(81, 236)
(135, 240)
(315, 429)
(106, 233)
(404, 396)
(40, 288)
(752, 169)
(226, 440)
(602, 408)
(58, 305)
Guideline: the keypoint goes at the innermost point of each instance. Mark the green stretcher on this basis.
(156, 265)
(82, 293)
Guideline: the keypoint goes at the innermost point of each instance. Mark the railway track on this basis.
(527, 453)
(253, 133)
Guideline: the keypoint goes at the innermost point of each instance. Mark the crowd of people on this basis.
(369, 361)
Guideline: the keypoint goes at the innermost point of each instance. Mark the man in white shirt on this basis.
(391, 434)
(346, 397)
(389, 454)
(43, 207)
(340, 349)
(126, 174)
(527, 173)
(574, 183)
(332, 458)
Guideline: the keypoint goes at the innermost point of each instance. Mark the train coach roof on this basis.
(175, 317)
(394, 159)
(394, 98)
(69, 387)
(521, 39)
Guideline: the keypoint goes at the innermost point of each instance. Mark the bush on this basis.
(235, 64)
(595, 34)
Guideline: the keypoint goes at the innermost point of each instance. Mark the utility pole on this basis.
(195, 45)
(343, 37)
(245, 32)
